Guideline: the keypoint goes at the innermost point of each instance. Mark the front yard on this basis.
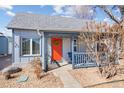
(86, 77)
(90, 77)
(48, 80)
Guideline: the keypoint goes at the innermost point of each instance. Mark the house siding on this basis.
(17, 34)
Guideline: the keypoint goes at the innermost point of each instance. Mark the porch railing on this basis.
(83, 59)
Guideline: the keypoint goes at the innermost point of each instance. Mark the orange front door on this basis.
(56, 49)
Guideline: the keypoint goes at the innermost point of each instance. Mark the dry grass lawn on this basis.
(48, 80)
(90, 77)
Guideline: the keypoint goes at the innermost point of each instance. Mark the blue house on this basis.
(52, 38)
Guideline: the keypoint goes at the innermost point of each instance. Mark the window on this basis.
(35, 46)
(30, 46)
(75, 45)
(25, 46)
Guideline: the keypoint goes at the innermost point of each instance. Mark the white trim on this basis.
(31, 55)
(26, 55)
(31, 46)
(40, 46)
(21, 47)
(72, 41)
(43, 51)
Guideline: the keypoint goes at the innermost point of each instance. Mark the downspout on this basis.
(38, 32)
(44, 64)
(13, 51)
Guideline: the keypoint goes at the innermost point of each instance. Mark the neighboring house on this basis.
(53, 38)
(3, 45)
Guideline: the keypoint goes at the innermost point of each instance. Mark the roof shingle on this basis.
(45, 22)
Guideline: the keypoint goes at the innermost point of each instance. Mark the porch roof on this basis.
(46, 23)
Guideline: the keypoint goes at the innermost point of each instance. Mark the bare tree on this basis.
(119, 22)
(106, 38)
(109, 13)
(103, 36)
(83, 12)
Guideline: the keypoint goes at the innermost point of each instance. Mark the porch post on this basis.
(44, 64)
(72, 41)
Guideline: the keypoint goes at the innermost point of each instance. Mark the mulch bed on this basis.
(91, 77)
(48, 80)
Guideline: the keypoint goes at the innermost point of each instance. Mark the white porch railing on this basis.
(83, 59)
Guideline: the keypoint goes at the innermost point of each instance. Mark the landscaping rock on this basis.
(10, 70)
(22, 78)
(7, 76)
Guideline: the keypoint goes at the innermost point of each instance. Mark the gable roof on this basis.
(45, 22)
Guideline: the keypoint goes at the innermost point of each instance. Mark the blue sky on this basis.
(8, 12)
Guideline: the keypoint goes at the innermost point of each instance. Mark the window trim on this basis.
(31, 54)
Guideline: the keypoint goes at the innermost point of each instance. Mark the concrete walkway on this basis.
(66, 77)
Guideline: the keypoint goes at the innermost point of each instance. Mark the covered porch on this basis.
(57, 49)
(71, 51)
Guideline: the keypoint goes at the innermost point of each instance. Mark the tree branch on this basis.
(108, 12)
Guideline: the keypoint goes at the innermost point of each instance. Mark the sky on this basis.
(7, 12)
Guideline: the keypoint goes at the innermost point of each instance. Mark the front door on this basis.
(56, 49)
